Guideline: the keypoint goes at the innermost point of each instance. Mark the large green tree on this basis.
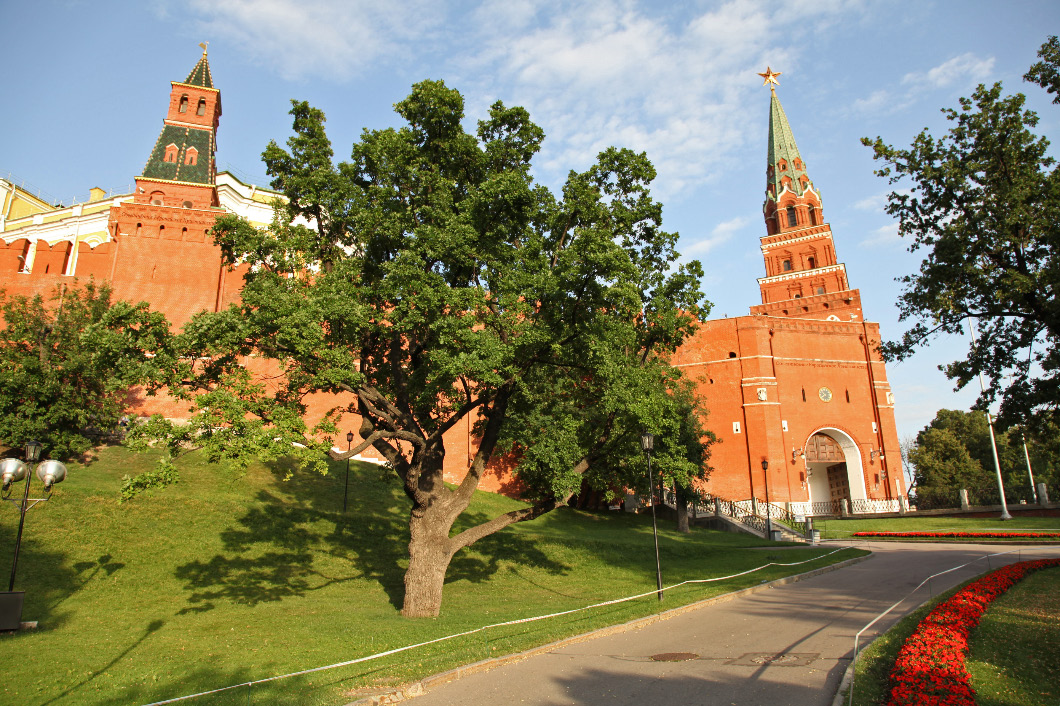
(954, 452)
(983, 203)
(67, 364)
(427, 281)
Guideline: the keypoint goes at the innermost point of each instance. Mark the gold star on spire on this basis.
(770, 77)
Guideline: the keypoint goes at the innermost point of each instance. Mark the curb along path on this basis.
(789, 644)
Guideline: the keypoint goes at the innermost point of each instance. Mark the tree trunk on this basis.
(682, 510)
(429, 556)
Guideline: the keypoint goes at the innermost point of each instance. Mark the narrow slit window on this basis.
(791, 216)
(202, 107)
(183, 104)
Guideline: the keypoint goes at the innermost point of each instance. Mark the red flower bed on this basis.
(964, 535)
(929, 670)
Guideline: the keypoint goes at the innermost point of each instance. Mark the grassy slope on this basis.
(229, 577)
(844, 528)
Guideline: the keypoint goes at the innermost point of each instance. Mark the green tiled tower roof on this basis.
(200, 75)
(782, 147)
(184, 138)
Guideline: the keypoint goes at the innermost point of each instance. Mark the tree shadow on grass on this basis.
(44, 574)
(152, 627)
(296, 539)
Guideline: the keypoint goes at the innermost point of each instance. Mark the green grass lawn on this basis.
(841, 529)
(229, 577)
(1012, 660)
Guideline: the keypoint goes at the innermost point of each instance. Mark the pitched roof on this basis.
(184, 138)
(782, 148)
(200, 75)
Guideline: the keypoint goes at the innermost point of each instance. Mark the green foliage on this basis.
(159, 477)
(954, 452)
(439, 283)
(984, 203)
(66, 365)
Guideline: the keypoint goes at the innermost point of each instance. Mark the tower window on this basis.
(191, 156)
(139, 228)
(791, 216)
(156, 198)
(820, 290)
(183, 104)
(813, 218)
(161, 232)
(188, 204)
(811, 262)
(786, 265)
(171, 153)
(202, 107)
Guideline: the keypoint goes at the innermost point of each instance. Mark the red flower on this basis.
(966, 535)
(929, 669)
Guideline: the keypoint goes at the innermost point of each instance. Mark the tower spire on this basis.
(798, 250)
(784, 165)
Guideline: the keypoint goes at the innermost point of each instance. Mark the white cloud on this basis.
(676, 83)
(876, 202)
(299, 38)
(884, 236)
(964, 68)
(620, 72)
(721, 233)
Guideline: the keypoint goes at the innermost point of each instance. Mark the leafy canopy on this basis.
(66, 365)
(984, 206)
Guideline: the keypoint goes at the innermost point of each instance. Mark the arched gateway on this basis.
(834, 469)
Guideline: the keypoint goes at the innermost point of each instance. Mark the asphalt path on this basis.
(785, 646)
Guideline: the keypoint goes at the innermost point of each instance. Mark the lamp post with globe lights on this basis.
(13, 470)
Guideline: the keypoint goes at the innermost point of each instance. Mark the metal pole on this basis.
(1026, 455)
(654, 530)
(21, 524)
(346, 489)
(993, 442)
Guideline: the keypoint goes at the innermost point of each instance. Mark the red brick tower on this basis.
(163, 251)
(803, 277)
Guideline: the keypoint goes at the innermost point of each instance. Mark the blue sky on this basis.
(86, 86)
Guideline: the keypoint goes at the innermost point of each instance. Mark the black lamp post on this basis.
(12, 470)
(647, 442)
(346, 489)
(769, 521)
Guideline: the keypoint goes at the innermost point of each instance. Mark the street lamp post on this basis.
(346, 488)
(647, 442)
(13, 470)
(769, 521)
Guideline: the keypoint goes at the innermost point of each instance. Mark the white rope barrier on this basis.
(518, 621)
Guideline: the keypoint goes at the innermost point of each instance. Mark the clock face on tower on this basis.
(825, 394)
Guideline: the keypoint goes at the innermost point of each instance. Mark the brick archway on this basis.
(842, 449)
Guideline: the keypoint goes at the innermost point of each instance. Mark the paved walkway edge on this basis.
(420, 687)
